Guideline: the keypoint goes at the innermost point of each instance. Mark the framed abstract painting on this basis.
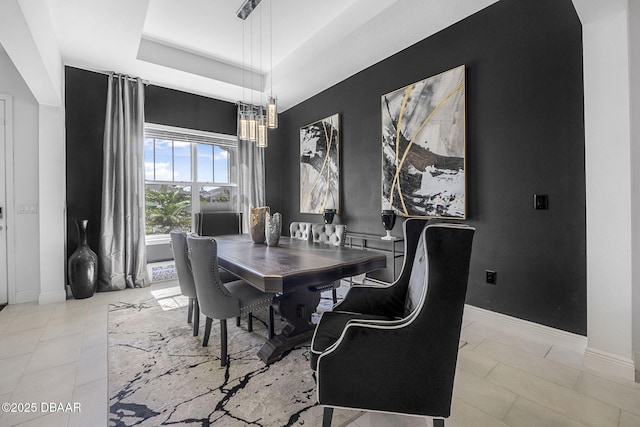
(423, 147)
(320, 165)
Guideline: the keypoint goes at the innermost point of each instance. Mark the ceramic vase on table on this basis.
(272, 228)
(256, 224)
(82, 267)
(388, 221)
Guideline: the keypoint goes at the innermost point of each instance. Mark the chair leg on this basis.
(326, 417)
(334, 294)
(223, 342)
(250, 322)
(196, 317)
(438, 422)
(270, 322)
(207, 331)
(190, 312)
(238, 321)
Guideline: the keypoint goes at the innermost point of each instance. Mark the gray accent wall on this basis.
(525, 136)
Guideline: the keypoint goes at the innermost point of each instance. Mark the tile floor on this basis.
(57, 354)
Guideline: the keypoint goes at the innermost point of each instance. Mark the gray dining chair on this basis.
(217, 224)
(334, 235)
(185, 276)
(219, 300)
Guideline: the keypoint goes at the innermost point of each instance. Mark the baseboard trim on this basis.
(52, 297)
(28, 296)
(526, 328)
(608, 363)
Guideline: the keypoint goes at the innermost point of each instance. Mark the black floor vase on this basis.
(83, 265)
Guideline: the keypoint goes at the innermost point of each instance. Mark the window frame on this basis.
(193, 137)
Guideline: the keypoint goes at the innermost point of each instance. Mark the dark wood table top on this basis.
(293, 262)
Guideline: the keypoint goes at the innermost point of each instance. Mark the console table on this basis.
(365, 241)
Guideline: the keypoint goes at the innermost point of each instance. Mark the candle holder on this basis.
(328, 215)
(388, 221)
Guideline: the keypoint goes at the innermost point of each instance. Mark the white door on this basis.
(3, 206)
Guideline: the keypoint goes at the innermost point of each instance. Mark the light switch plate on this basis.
(540, 201)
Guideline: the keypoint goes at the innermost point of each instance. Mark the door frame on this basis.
(9, 208)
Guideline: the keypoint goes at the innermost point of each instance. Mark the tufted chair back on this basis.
(300, 230)
(329, 234)
(215, 299)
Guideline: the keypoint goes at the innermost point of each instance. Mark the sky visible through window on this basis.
(172, 161)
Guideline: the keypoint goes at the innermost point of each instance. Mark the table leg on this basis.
(295, 308)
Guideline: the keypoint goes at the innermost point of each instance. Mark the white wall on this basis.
(27, 245)
(608, 179)
(51, 155)
(27, 35)
(634, 72)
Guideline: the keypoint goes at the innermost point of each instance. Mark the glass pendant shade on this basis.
(262, 132)
(272, 112)
(253, 128)
(244, 127)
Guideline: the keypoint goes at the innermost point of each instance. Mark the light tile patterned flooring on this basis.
(58, 354)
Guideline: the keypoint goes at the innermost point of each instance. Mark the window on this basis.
(187, 171)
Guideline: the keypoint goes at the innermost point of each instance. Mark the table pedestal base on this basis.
(295, 308)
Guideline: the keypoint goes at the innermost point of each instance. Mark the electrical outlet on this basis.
(490, 277)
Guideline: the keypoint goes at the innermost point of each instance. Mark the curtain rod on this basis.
(145, 82)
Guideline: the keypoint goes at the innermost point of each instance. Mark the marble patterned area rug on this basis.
(159, 373)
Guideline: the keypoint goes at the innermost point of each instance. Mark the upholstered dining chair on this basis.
(216, 224)
(219, 300)
(185, 276)
(406, 346)
(391, 296)
(328, 234)
(300, 231)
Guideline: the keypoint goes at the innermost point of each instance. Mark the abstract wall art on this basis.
(320, 165)
(423, 147)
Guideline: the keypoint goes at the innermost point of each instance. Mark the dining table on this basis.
(290, 270)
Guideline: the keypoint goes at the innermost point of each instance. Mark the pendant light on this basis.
(272, 101)
(262, 131)
(253, 127)
(244, 118)
(244, 123)
(255, 120)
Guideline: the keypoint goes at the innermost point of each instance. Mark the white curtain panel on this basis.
(122, 250)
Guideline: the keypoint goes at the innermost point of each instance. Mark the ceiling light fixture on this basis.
(255, 119)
